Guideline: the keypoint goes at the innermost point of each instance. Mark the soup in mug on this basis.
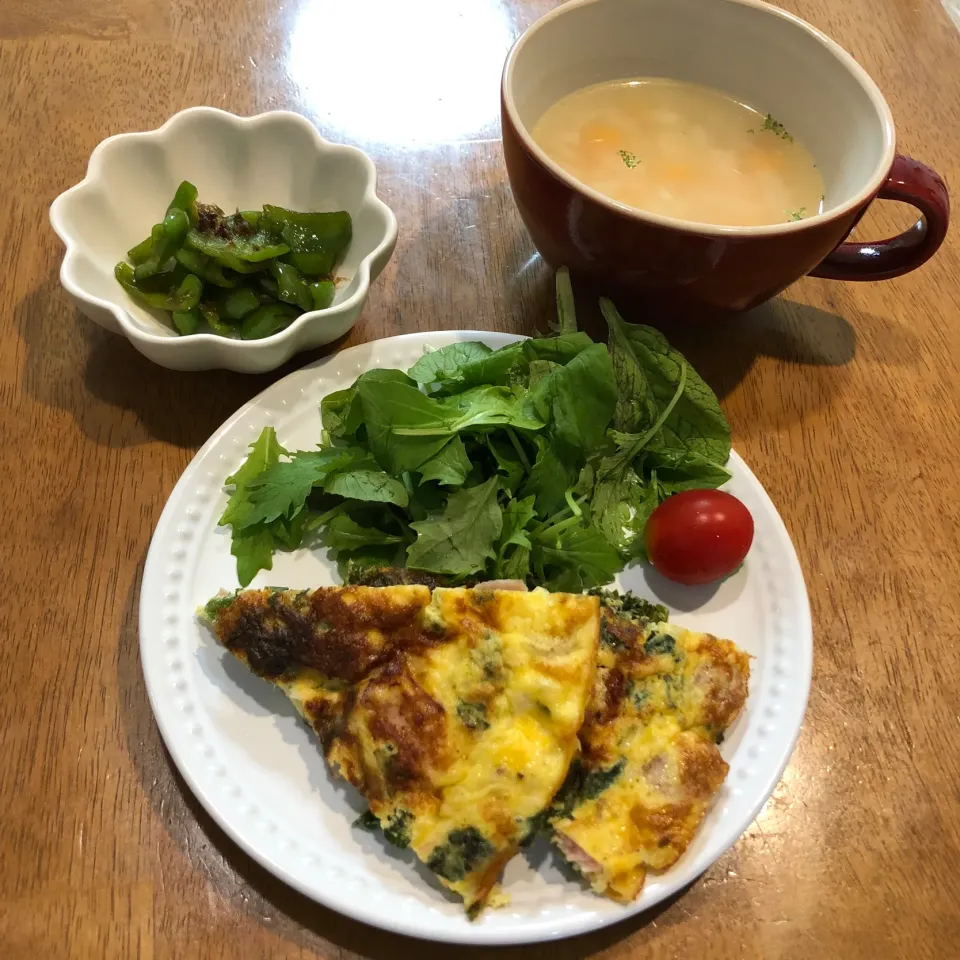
(682, 150)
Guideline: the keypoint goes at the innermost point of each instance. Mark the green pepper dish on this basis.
(246, 275)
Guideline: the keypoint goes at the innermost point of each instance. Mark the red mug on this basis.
(764, 57)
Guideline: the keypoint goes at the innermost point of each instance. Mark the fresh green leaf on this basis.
(678, 470)
(264, 452)
(582, 549)
(578, 402)
(390, 403)
(566, 308)
(344, 533)
(620, 507)
(342, 413)
(516, 517)
(367, 484)
(461, 540)
(517, 565)
(540, 370)
(561, 349)
(498, 368)
(484, 406)
(449, 467)
(514, 539)
(447, 363)
(281, 490)
(288, 534)
(253, 549)
(506, 452)
(696, 422)
(636, 406)
(549, 479)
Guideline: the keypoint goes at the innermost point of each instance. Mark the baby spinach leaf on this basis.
(620, 507)
(549, 479)
(486, 406)
(561, 349)
(509, 466)
(390, 404)
(367, 484)
(678, 469)
(344, 533)
(449, 467)
(342, 413)
(696, 422)
(448, 363)
(578, 401)
(461, 539)
(540, 370)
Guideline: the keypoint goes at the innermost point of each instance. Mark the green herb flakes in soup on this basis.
(682, 150)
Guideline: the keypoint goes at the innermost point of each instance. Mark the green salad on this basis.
(540, 461)
(245, 275)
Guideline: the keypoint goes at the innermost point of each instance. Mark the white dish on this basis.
(260, 774)
(236, 163)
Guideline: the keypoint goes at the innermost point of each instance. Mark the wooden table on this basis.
(843, 398)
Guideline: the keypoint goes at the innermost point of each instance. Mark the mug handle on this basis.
(910, 182)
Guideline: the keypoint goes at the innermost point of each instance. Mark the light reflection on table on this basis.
(378, 86)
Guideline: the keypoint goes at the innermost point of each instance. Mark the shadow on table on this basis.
(263, 897)
(74, 365)
(721, 348)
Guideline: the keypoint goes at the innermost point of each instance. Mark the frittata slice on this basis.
(454, 714)
(649, 765)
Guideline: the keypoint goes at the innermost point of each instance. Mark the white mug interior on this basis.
(757, 53)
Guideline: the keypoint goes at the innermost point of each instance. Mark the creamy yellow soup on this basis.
(682, 150)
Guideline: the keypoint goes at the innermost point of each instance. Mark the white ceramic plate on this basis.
(259, 773)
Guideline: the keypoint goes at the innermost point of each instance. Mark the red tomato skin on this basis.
(698, 536)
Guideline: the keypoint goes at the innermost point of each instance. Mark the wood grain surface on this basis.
(843, 399)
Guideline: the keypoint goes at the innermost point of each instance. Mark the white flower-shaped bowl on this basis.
(236, 163)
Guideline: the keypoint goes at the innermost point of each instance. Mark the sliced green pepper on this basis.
(211, 314)
(269, 286)
(317, 241)
(238, 303)
(322, 292)
(268, 320)
(167, 237)
(138, 254)
(185, 297)
(186, 321)
(185, 199)
(243, 256)
(290, 285)
(203, 267)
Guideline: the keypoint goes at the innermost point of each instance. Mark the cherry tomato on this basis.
(698, 536)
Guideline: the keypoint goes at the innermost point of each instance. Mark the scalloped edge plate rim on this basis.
(536, 931)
